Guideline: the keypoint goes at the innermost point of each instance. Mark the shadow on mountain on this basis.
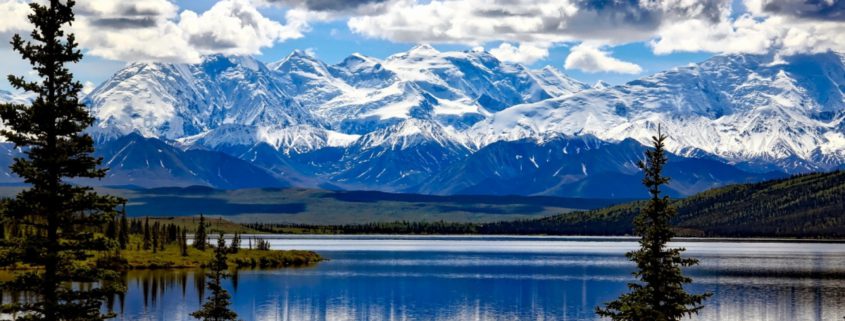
(522, 209)
(531, 202)
(183, 206)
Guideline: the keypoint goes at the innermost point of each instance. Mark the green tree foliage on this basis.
(56, 224)
(262, 245)
(805, 205)
(123, 236)
(147, 240)
(235, 246)
(183, 243)
(201, 237)
(216, 307)
(155, 234)
(111, 229)
(659, 295)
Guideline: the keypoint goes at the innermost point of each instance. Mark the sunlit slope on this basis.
(810, 205)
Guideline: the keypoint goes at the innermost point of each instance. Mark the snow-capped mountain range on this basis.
(464, 122)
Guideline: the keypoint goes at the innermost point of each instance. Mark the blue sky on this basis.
(590, 40)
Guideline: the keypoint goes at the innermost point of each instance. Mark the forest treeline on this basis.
(805, 206)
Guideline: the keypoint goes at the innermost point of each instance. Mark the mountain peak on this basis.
(423, 49)
(356, 59)
(299, 60)
(299, 53)
(601, 84)
(218, 62)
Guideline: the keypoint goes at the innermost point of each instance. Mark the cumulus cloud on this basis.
(234, 27)
(525, 53)
(831, 10)
(718, 26)
(156, 30)
(588, 58)
(335, 5)
(524, 29)
(480, 21)
(781, 27)
(14, 16)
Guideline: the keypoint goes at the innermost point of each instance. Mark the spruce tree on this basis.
(183, 244)
(123, 236)
(147, 240)
(111, 229)
(162, 239)
(659, 294)
(216, 307)
(56, 221)
(155, 234)
(235, 246)
(200, 238)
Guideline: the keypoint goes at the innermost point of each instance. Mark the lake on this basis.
(501, 278)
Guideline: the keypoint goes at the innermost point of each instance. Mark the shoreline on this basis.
(244, 258)
(750, 239)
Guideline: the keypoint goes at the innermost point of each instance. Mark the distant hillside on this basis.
(811, 205)
(322, 207)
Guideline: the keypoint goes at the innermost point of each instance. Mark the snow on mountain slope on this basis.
(400, 156)
(308, 79)
(738, 107)
(457, 89)
(15, 98)
(476, 76)
(298, 138)
(455, 122)
(172, 101)
(554, 82)
(204, 102)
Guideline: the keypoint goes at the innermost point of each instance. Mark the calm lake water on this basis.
(502, 278)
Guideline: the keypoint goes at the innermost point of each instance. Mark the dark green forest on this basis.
(805, 206)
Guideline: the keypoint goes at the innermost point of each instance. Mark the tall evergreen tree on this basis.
(123, 236)
(200, 237)
(111, 229)
(659, 294)
(183, 244)
(155, 233)
(216, 307)
(147, 241)
(57, 220)
(235, 246)
(162, 240)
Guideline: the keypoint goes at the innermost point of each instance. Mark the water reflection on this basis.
(807, 283)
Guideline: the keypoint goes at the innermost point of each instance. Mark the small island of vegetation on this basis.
(162, 243)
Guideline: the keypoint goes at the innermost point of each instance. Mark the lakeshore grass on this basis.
(171, 257)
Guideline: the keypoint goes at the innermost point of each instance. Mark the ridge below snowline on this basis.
(802, 206)
(309, 206)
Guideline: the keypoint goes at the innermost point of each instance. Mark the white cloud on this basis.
(547, 21)
(525, 53)
(14, 16)
(156, 30)
(758, 31)
(588, 58)
(717, 26)
(234, 27)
